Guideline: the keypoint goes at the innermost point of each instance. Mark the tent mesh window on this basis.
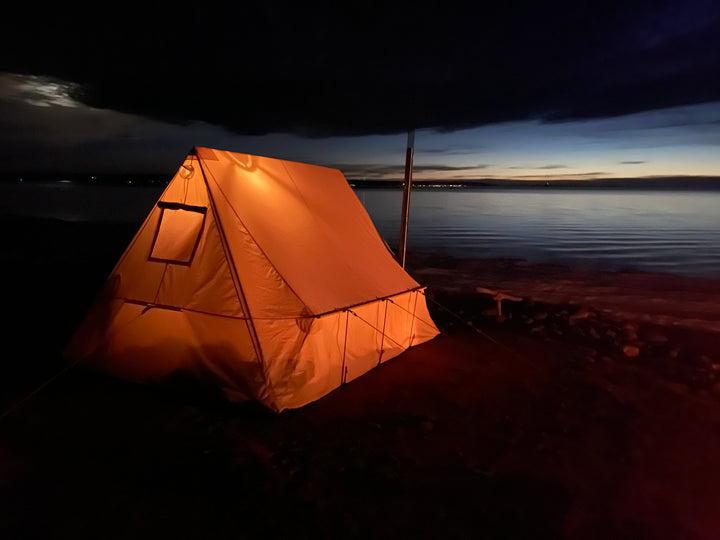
(178, 233)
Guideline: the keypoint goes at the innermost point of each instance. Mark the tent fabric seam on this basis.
(162, 278)
(236, 282)
(153, 305)
(377, 299)
(257, 244)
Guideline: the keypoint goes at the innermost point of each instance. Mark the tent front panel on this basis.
(147, 344)
(201, 279)
(156, 344)
(206, 283)
(227, 357)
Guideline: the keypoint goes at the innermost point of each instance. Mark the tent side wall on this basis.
(157, 317)
(308, 358)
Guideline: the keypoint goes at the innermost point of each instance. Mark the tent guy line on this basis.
(232, 266)
(151, 305)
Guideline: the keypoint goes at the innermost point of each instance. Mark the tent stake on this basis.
(407, 185)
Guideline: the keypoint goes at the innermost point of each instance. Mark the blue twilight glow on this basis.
(39, 118)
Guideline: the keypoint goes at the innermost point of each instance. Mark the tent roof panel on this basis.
(310, 226)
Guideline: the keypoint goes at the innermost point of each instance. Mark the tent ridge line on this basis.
(257, 244)
(384, 298)
(236, 280)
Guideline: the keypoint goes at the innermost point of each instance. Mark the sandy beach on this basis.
(590, 409)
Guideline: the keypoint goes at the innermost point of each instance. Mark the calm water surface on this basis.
(661, 231)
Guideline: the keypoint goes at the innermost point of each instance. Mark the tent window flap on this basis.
(178, 233)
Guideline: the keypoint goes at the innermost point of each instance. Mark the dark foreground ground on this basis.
(544, 425)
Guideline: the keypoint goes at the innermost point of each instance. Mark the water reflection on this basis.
(668, 231)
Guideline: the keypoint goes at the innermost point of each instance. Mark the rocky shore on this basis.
(667, 324)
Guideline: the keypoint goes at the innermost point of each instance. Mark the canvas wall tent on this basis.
(265, 276)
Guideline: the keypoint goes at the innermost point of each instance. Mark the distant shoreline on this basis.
(655, 183)
(696, 183)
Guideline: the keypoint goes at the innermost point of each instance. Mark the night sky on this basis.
(566, 89)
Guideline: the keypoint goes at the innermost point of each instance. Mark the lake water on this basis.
(661, 231)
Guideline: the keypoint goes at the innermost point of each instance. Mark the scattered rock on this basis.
(583, 327)
(631, 351)
(629, 330)
(582, 313)
(630, 327)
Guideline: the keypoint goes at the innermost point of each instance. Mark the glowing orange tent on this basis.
(265, 276)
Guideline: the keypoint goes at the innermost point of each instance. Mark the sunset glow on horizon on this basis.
(682, 141)
(61, 133)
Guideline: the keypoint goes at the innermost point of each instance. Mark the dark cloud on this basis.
(356, 68)
(540, 167)
(455, 151)
(376, 170)
(632, 162)
(565, 176)
(449, 167)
